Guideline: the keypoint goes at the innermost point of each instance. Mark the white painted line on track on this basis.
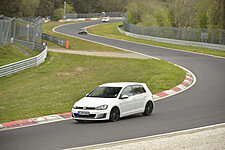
(40, 123)
(102, 43)
(188, 131)
(183, 88)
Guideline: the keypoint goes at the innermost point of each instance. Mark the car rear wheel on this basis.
(114, 114)
(148, 108)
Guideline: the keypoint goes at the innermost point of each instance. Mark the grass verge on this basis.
(110, 30)
(54, 86)
(10, 54)
(34, 53)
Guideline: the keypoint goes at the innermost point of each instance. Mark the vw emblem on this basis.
(84, 107)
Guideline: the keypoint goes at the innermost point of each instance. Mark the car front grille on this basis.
(86, 108)
(88, 116)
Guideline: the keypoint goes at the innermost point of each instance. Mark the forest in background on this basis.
(173, 13)
(177, 13)
(30, 8)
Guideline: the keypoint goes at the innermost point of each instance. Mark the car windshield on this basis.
(105, 92)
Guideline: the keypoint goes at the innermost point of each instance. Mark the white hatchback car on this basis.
(105, 19)
(114, 100)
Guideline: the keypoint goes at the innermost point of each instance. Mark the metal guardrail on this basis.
(30, 45)
(213, 36)
(23, 64)
(56, 40)
(173, 41)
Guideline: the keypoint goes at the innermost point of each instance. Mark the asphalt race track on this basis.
(201, 105)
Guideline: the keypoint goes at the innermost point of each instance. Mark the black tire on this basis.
(114, 114)
(148, 108)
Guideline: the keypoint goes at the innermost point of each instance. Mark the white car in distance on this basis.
(105, 19)
(112, 101)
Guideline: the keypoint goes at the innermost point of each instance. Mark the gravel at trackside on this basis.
(213, 139)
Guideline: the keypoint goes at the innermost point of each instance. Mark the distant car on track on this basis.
(105, 19)
(82, 31)
(112, 101)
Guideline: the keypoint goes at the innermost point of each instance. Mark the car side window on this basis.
(138, 89)
(127, 91)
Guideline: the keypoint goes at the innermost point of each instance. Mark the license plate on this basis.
(83, 113)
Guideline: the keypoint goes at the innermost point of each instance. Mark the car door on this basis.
(127, 106)
(139, 97)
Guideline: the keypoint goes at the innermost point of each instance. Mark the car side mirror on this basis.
(124, 96)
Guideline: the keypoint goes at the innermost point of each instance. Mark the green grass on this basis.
(34, 53)
(10, 54)
(110, 30)
(62, 79)
(75, 43)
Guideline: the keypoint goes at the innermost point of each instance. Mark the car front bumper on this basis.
(92, 114)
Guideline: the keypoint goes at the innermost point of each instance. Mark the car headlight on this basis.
(75, 107)
(102, 107)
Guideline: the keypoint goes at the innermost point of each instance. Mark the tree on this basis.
(211, 13)
(182, 13)
(154, 13)
(216, 14)
(202, 8)
(10, 8)
(28, 7)
(114, 5)
(134, 12)
(45, 8)
(58, 13)
(147, 13)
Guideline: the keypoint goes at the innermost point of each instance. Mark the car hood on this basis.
(94, 102)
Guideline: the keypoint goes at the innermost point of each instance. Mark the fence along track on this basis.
(20, 31)
(23, 64)
(5, 30)
(27, 33)
(212, 36)
(219, 47)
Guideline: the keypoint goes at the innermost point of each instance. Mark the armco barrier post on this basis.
(14, 31)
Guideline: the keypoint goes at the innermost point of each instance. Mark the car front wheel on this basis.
(148, 108)
(114, 114)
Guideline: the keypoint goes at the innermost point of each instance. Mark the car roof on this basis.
(121, 84)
